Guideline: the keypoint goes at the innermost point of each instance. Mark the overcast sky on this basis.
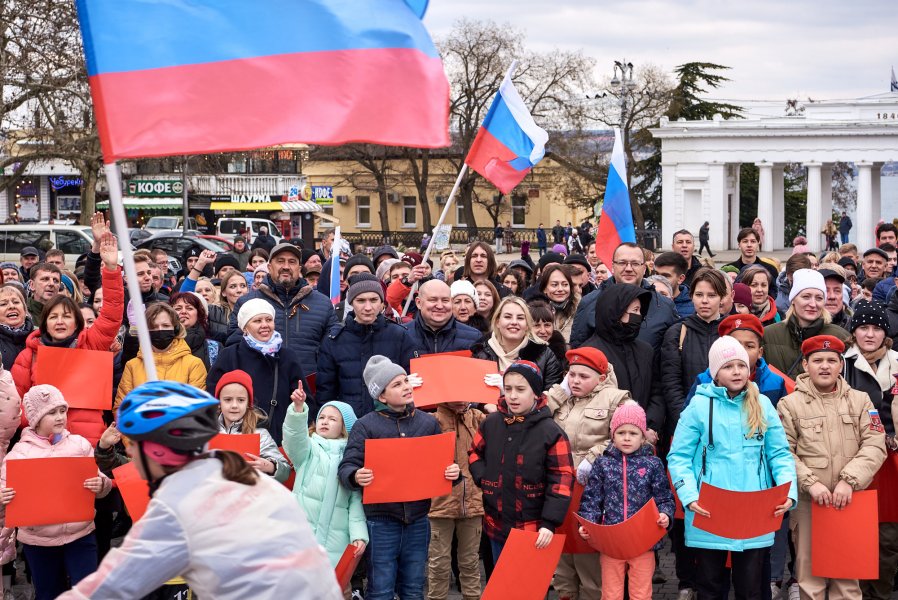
(825, 49)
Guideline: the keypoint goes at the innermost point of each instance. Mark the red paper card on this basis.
(573, 543)
(886, 483)
(292, 479)
(740, 515)
(83, 376)
(50, 491)
(407, 469)
(629, 538)
(134, 490)
(524, 572)
(845, 543)
(347, 565)
(241, 443)
(450, 378)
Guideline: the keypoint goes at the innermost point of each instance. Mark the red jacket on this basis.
(83, 422)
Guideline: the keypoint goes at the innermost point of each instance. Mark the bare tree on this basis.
(43, 80)
(844, 196)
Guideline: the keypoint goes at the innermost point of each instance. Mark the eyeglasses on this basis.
(629, 263)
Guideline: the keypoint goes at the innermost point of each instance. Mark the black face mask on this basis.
(627, 332)
(162, 338)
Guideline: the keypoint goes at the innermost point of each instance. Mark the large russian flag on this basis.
(616, 222)
(198, 76)
(509, 142)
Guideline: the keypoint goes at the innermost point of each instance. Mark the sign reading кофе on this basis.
(155, 187)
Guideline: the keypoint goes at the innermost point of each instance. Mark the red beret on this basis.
(741, 323)
(236, 376)
(593, 358)
(822, 343)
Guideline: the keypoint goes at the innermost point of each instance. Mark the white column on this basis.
(814, 215)
(876, 187)
(716, 205)
(765, 201)
(866, 220)
(779, 210)
(826, 182)
(669, 208)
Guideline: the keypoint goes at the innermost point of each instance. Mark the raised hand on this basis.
(109, 251)
(98, 227)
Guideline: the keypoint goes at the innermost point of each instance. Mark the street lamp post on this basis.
(624, 84)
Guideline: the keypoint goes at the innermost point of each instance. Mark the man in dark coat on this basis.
(434, 329)
(264, 240)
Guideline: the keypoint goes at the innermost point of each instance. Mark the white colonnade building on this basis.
(700, 167)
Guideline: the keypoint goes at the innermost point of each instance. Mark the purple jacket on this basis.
(619, 485)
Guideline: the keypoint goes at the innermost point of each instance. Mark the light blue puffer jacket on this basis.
(334, 512)
(734, 463)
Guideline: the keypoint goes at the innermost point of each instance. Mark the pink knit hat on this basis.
(40, 400)
(725, 349)
(628, 413)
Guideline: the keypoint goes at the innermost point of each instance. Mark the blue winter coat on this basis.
(453, 336)
(734, 462)
(344, 354)
(387, 424)
(302, 316)
(607, 501)
(683, 303)
(274, 379)
(540, 237)
(660, 316)
(769, 383)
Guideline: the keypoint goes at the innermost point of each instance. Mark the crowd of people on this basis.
(640, 379)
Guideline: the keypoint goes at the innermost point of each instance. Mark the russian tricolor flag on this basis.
(509, 142)
(198, 76)
(334, 283)
(616, 222)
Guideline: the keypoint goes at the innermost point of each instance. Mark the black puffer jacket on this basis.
(540, 354)
(12, 342)
(634, 360)
(859, 375)
(682, 363)
(218, 324)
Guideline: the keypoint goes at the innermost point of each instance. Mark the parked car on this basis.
(169, 223)
(74, 240)
(226, 244)
(176, 243)
(249, 227)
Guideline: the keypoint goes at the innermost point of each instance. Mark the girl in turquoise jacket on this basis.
(729, 436)
(334, 512)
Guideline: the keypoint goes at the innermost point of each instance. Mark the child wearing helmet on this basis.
(62, 550)
(205, 506)
(334, 511)
(238, 414)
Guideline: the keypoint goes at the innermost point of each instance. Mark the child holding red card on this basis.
(731, 437)
(234, 392)
(838, 442)
(399, 531)
(621, 482)
(63, 551)
(521, 459)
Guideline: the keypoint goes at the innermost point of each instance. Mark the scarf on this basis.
(760, 310)
(874, 357)
(503, 358)
(269, 348)
(68, 342)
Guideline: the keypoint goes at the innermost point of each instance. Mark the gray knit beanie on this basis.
(379, 372)
(363, 283)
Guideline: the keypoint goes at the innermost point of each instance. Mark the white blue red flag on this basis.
(200, 76)
(509, 142)
(616, 223)
(334, 284)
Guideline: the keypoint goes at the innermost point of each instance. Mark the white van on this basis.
(228, 227)
(74, 240)
(156, 224)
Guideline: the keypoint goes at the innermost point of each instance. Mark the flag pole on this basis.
(120, 225)
(433, 237)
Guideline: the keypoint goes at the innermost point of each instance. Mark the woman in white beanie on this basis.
(805, 319)
(275, 369)
(465, 301)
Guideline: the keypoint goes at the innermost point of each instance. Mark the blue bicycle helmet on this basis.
(176, 415)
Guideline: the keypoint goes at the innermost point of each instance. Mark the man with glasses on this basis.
(627, 266)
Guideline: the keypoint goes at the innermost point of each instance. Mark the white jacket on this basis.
(227, 540)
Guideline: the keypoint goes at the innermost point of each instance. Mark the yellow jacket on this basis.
(174, 364)
(832, 436)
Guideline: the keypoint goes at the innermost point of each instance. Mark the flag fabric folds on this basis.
(616, 223)
(334, 283)
(509, 142)
(894, 87)
(200, 76)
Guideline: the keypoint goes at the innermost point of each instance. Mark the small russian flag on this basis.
(616, 222)
(335, 268)
(509, 142)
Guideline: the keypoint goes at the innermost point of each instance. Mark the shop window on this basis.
(409, 211)
(459, 213)
(518, 210)
(363, 211)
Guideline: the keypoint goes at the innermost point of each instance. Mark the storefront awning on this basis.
(297, 206)
(142, 202)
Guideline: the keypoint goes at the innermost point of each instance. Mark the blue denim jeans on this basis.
(54, 567)
(397, 558)
(496, 547)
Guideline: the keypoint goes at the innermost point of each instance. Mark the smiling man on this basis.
(434, 329)
(302, 315)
